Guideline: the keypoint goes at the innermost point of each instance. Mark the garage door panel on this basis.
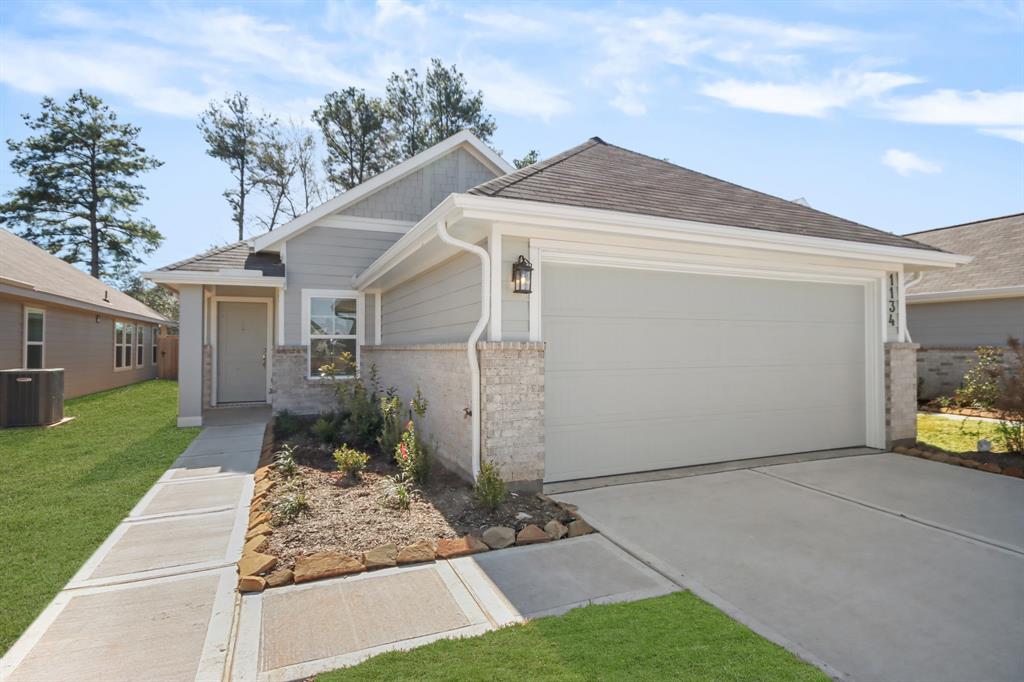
(678, 369)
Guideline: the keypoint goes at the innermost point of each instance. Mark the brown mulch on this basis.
(1003, 459)
(962, 411)
(348, 515)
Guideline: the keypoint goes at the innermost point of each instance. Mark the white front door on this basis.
(652, 370)
(242, 346)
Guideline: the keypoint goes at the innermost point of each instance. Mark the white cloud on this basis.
(509, 90)
(1015, 134)
(509, 25)
(951, 107)
(814, 99)
(907, 163)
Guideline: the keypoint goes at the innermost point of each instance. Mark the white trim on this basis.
(494, 247)
(904, 333)
(215, 301)
(186, 422)
(359, 336)
(464, 139)
(279, 309)
(872, 281)
(154, 347)
(966, 295)
(225, 277)
(24, 337)
(378, 316)
(129, 356)
(344, 222)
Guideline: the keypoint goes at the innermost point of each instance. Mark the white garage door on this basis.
(651, 370)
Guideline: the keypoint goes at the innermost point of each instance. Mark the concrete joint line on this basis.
(1011, 549)
(182, 513)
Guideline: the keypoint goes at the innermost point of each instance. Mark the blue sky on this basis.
(902, 116)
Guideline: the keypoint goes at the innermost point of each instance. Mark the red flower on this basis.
(404, 450)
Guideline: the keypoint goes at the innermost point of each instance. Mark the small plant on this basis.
(325, 429)
(286, 425)
(412, 456)
(980, 386)
(490, 489)
(391, 421)
(1009, 403)
(399, 493)
(289, 506)
(284, 461)
(350, 461)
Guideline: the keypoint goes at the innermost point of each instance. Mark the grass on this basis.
(955, 435)
(677, 636)
(65, 489)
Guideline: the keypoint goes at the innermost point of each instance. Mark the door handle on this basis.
(264, 358)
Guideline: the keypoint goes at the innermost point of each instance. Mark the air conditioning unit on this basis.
(31, 397)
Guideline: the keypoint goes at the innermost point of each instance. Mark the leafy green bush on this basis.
(412, 455)
(289, 506)
(391, 421)
(1009, 403)
(284, 461)
(980, 386)
(490, 489)
(350, 461)
(325, 429)
(398, 494)
(286, 425)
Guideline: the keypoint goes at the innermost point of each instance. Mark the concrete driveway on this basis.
(878, 567)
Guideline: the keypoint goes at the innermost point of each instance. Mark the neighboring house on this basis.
(674, 319)
(952, 312)
(54, 315)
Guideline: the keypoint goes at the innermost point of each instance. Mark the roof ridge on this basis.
(972, 222)
(205, 254)
(540, 166)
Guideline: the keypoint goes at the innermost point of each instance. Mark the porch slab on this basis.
(186, 496)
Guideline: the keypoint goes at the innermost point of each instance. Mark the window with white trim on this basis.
(332, 333)
(124, 344)
(155, 353)
(140, 350)
(35, 332)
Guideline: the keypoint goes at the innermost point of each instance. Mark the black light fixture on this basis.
(522, 276)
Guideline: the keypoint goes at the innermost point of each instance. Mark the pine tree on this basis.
(81, 191)
(451, 107)
(359, 144)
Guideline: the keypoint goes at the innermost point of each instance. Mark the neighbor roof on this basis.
(599, 175)
(24, 267)
(236, 256)
(997, 245)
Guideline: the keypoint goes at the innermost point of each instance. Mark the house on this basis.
(672, 318)
(952, 312)
(54, 315)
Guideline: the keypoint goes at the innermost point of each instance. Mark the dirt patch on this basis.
(348, 515)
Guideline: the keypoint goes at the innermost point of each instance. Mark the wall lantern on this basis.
(522, 276)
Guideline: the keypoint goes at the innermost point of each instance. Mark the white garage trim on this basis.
(545, 251)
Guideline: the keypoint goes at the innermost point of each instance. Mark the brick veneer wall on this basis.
(207, 375)
(512, 420)
(900, 394)
(291, 390)
(441, 371)
(941, 370)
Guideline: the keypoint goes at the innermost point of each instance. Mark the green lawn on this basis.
(955, 435)
(63, 490)
(677, 636)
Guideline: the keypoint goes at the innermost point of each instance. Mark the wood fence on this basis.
(167, 360)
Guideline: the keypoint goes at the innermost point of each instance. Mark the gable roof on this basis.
(599, 175)
(236, 256)
(463, 139)
(26, 269)
(997, 245)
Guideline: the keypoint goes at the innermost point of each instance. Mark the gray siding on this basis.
(440, 305)
(74, 341)
(515, 308)
(327, 258)
(966, 324)
(416, 195)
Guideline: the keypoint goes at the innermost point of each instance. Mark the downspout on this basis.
(906, 307)
(478, 330)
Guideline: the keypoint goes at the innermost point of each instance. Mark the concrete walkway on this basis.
(156, 601)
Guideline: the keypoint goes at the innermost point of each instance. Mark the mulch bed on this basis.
(994, 462)
(962, 411)
(347, 515)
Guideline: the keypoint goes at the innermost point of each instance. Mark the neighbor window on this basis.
(332, 333)
(153, 338)
(124, 335)
(35, 329)
(140, 349)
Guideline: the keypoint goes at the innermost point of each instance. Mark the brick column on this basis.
(900, 394)
(207, 375)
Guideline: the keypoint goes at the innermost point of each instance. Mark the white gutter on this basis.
(478, 330)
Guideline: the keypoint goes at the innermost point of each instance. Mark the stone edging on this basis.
(256, 569)
(939, 456)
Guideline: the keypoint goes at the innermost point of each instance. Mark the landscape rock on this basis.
(579, 527)
(256, 544)
(262, 529)
(257, 519)
(464, 546)
(499, 537)
(261, 473)
(522, 516)
(282, 576)
(915, 452)
(555, 529)
(262, 487)
(1014, 471)
(421, 550)
(254, 563)
(991, 467)
(251, 583)
(900, 449)
(531, 535)
(381, 557)
(325, 565)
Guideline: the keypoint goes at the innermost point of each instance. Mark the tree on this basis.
(275, 169)
(233, 132)
(451, 107)
(156, 297)
(406, 106)
(529, 158)
(310, 191)
(359, 143)
(80, 192)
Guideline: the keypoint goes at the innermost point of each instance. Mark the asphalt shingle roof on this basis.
(24, 262)
(599, 175)
(997, 245)
(237, 256)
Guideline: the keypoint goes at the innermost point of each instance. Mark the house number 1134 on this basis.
(894, 296)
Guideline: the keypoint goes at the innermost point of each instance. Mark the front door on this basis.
(241, 352)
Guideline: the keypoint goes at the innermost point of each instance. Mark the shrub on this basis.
(980, 387)
(350, 461)
(391, 421)
(1009, 402)
(412, 456)
(284, 461)
(289, 506)
(490, 489)
(398, 494)
(286, 425)
(325, 429)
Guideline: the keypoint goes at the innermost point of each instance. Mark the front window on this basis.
(118, 345)
(153, 338)
(332, 334)
(35, 326)
(140, 349)
(129, 342)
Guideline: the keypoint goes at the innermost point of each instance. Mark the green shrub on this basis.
(490, 489)
(284, 461)
(391, 421)
(1009, 404)
(286, 425)
(289, 506)
(412, 454)
(398, 494)
(980, 387)
(325, 429)
(350, 461)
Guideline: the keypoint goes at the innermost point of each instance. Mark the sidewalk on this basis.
(156, 600)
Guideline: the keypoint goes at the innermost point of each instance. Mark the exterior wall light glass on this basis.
(522, 276)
